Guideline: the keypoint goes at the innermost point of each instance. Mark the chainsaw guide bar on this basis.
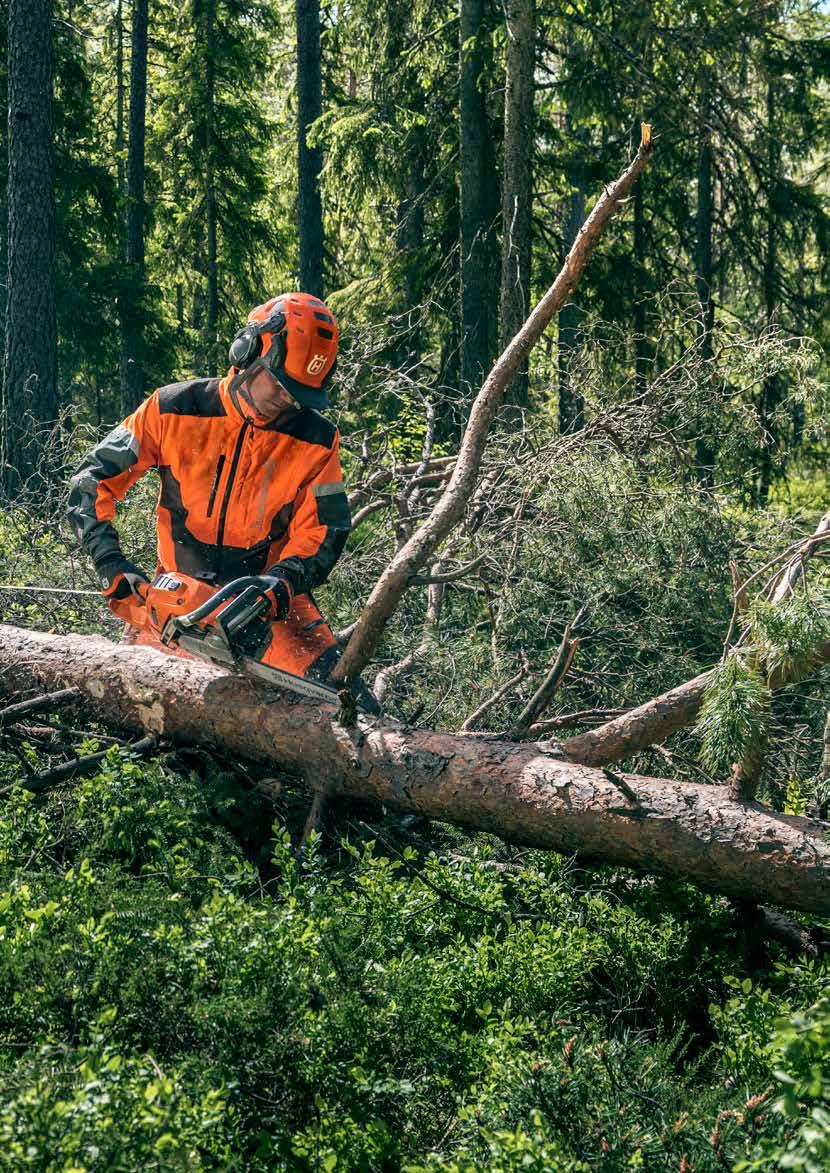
(216, 653)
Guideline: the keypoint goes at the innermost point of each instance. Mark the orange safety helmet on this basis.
(294, 336)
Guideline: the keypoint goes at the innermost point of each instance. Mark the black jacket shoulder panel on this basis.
(199, 397)
(309, 426)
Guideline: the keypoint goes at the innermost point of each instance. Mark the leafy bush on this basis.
(179, 991)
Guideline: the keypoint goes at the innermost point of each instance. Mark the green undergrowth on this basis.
(178, 991)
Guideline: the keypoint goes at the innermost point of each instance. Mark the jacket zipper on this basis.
(220, 464)
(223, 512)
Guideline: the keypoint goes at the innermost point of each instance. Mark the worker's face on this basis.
(268, 396)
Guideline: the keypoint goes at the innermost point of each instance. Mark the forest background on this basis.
(178, 990)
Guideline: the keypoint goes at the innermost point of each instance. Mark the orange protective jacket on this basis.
(239, 495)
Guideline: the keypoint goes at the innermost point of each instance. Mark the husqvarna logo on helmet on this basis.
(316, 364)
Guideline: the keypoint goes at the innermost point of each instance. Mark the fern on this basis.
(734, 714)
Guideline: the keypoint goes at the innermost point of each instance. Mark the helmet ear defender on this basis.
(247, 345)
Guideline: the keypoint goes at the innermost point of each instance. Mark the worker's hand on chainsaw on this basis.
(120, 579)
(278, 589)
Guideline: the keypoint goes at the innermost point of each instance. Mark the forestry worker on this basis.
(250, 479)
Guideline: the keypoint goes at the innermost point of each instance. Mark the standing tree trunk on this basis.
(409, 241)
(571, 400)
(772, 389)
(119, 99)
(309, 159)
(704, 270)
(212, 307)
(798, 413)
(478, 204)
(517, 185)
(132, 373)
(30, 355)
(642, 349)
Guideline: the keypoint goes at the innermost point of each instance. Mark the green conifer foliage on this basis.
(210, 140)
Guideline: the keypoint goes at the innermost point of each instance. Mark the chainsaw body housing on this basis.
(229, 626)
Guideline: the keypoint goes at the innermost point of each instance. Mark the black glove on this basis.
(120, 578)
(278, 589)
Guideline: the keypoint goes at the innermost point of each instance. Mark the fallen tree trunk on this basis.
(514, 790)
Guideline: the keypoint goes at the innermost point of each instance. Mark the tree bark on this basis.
(119, 100)
(409, 241)
(478, 203)
(704, 272)
(571, 400)
(309, 159)
(516, 791)
(517, 184)
(772, 390)
(449, 509)
(30, 355)
(212, 300)
(132, 372)
(648, 724)
(642, 348)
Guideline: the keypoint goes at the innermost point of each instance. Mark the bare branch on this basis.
(495, 697)
(449, 510)
(450, 575)
(547, 689)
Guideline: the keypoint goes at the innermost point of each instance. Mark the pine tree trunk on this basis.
(642, 349)
(212, 300)
(798, 413)
(517, 791)
(119, 101)
(478, 292)
(409, 241)
(132, 372)
(704, 270)
(30, 399)
(517, 184)
(571, 400)
(309, 159)
(772, 390)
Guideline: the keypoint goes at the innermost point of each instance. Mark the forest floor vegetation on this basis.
(179, 990)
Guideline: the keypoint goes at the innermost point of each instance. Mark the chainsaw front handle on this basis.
(248, 601)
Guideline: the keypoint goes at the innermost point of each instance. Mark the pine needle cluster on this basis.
(734, 715)
(784, 641)
(788, 635)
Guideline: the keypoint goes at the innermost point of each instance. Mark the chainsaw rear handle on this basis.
(132, 608)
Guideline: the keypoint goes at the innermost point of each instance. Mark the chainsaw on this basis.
(229, 627)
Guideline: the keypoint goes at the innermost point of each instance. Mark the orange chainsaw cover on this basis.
(297, 642)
